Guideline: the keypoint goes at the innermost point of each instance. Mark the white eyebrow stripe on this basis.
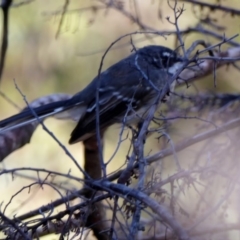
(166, 54)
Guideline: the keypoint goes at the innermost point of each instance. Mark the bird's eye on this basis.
(166, 60)
(163, 59)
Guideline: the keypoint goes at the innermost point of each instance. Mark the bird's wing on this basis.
(114, 104)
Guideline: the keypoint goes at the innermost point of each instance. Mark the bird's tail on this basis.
(30, 115)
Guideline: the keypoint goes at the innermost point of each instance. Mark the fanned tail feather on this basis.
(28, 115)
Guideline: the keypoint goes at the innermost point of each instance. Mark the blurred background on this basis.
(44, 59)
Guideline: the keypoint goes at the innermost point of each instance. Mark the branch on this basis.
(5, 5)
(195, 139)
(206, 66)
(213, 7)
(156, 207)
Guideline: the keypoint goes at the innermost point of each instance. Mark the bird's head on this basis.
(161, 57)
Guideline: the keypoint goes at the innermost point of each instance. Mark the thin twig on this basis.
(5, 5)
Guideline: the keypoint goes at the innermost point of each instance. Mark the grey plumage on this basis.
(126, 89)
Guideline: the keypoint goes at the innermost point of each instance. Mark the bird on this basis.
(123, 93)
